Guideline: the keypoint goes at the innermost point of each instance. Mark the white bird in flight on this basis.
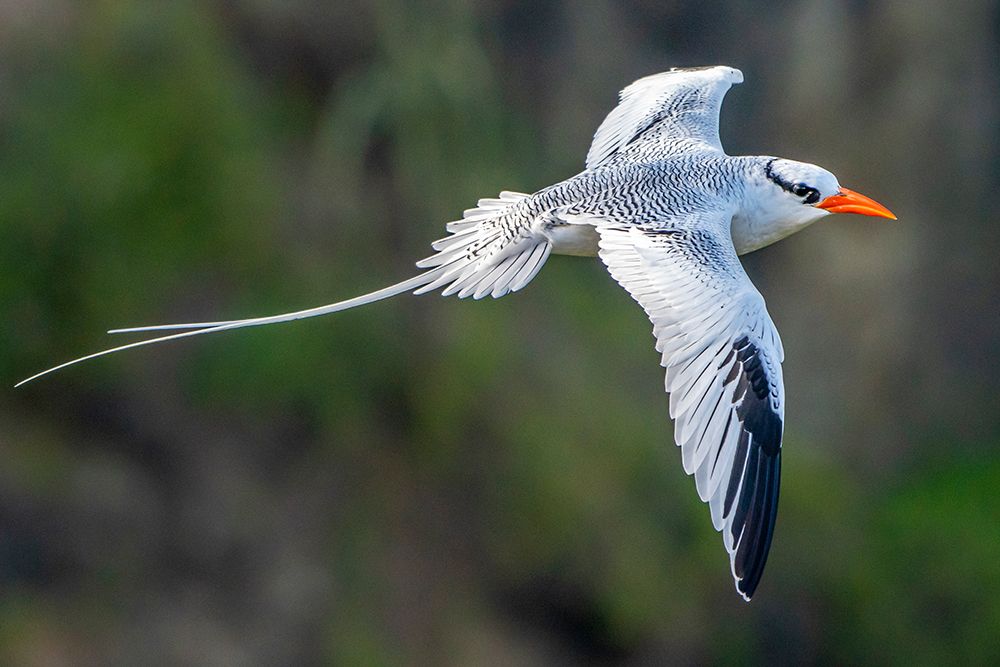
(668, 212)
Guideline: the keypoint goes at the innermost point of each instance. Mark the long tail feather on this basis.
(212, 327)
(171, 327)
(485, 254)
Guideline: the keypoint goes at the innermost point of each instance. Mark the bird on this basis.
(668, 212)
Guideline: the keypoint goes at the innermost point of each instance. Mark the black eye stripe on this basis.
(810, 195)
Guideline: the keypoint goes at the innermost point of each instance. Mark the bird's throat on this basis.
(755, 232)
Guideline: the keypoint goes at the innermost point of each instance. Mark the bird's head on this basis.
(785, 196)
(807, 192)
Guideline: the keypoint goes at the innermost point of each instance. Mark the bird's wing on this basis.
(723, 358)
(665, 113)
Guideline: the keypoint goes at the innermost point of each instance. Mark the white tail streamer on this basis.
(481, 257)
(213, 327)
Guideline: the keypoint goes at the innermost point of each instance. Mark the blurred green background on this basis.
(433, 481)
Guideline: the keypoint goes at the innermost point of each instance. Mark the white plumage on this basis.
(667, 211)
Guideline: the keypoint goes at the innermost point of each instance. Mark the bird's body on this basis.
(657, 192)
(667, 211)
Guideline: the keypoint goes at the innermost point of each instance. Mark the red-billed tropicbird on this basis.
(668, 212)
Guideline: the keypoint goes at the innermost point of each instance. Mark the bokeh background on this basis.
(434, 481)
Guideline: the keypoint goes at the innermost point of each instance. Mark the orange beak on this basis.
(849, 201)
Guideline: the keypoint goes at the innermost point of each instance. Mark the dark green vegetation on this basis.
(429, 481)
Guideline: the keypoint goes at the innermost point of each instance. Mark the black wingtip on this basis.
(755, 544)
(756, 472)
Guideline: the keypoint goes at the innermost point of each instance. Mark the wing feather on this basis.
(722, 356)
(672, 109)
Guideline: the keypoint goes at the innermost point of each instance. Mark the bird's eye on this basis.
(809, 195)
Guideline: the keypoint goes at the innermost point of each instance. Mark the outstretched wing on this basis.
(723, 358)
(665, 113)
